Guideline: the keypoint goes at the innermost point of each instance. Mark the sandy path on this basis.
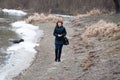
(44, 67)
(83, 59)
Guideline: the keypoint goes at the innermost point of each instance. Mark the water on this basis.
(5, 34)
(14, 56)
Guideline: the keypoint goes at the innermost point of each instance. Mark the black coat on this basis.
(62, 31)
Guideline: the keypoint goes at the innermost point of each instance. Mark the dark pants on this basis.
(58, 51)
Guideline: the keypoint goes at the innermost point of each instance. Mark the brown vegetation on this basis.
(94, 12)
(89, 61)
(102, 28)
(59, 6)
(42, 18)
(115, 38)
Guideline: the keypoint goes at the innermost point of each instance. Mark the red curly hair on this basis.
(59, 22)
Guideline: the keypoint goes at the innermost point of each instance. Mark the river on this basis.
(6, 34)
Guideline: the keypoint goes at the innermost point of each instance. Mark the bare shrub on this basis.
(93, 12)
(42, 18)
(59, 6)
(101, 28)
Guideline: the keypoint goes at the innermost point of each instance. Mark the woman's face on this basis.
(59, 24)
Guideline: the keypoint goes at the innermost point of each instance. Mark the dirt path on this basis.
(83, 59)
(44, 67)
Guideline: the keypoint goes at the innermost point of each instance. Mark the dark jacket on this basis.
(62, 31)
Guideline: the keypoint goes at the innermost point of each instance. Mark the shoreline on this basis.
(22, 53)
(45, 55)
(17, 56)
(80, 59)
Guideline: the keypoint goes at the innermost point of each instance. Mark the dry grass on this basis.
(86, 64)
(89, 61)
(114, 50)
(42, 18)
(102, 28)
(115, 38)
(94, 12)
(58, 6)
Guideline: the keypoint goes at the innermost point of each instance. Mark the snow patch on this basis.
(14, 12)
(22, 54)
(64, 16)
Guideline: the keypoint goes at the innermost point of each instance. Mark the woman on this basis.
(59, 33)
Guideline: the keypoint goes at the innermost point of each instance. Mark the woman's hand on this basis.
(59, 35)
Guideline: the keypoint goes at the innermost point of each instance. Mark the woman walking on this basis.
(59, 33)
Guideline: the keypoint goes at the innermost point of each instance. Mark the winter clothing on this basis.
(59, 41)
(58, 52)
(59, 30)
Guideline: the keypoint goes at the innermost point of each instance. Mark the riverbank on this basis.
(20, 54)
(94, 58)
(44, 63)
